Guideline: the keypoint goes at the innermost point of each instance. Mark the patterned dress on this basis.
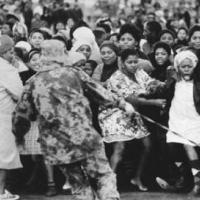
(116, 124)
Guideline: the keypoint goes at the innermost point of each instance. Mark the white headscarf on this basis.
(75, 57)
(86, 34)
(78, 43)
(186, 54)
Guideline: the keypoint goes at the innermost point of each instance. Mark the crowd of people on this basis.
(93, 108)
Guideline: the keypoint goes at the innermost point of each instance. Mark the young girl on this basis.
(128, 82)
(184, 111)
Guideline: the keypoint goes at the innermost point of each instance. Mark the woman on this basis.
(160, 59)
(116, 126)
(54, 97)
(10, 91)
(109, 53)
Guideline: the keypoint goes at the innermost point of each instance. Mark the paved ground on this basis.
(125, 196)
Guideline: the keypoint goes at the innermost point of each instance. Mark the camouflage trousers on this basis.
(92, 178)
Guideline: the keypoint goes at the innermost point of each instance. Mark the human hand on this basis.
(129, 109)
(161, 103)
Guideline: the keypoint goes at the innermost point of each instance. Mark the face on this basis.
(85, 50)
(167, 38)
(70, 22)
(161, 56)
(186, 69)
(127, 41)
(9, 55)
(5, 30)
(108, 55)
(60, 26)
(182, 35)
(34, 62)
(195, 40)
(36, 39)
(87, 68)
(131, 64)
(146, 31)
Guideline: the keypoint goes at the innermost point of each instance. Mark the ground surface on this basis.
(124, 196)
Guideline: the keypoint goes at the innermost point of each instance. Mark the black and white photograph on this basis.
(99, 99)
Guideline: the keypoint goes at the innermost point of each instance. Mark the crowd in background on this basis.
(108, 101)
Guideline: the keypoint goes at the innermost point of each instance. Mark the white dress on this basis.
(10, 86)
(183, 117)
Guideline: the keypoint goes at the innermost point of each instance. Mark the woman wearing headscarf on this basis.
(86, 34)
(183, 102)
(55, 98)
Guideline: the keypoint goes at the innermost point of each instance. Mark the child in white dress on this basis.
(184, 112)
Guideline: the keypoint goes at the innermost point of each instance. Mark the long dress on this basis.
(10, 85)
(183, 117)
(115, 124)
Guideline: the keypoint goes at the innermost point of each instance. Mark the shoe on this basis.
(51, 191)
(8, 196)
(139, 185)
(164, 185)
(67, 189)
(196, 190)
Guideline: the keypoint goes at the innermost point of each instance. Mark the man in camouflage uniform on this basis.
(54, 97)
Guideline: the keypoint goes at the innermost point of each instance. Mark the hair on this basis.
(167, 31)
(183, 28)
(128, 52)
(98, 33)
(106, 27)
(194, 29)
(154, 26)
(93, 63)
(33, 52)
(162, 45)
(36, 31)
(131, 29)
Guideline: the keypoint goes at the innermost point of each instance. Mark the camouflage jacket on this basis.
(55, 98)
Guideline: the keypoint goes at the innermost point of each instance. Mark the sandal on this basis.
(51, 190)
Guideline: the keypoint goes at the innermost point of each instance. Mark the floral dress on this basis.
(116, 125)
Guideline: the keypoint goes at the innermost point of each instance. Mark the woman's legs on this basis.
(142, 164)
(116, 157)
(195, 165)
(2, 180)
(51, 190)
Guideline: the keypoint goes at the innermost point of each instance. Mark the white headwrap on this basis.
(78, 43)
(86, 34)
(75, 57)
(182, 55)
